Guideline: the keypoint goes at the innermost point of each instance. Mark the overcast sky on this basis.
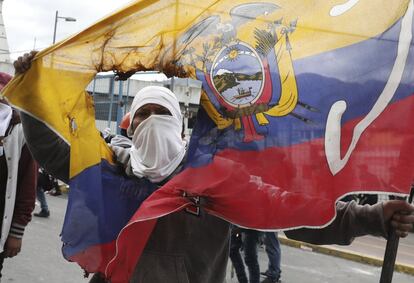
(30, 23)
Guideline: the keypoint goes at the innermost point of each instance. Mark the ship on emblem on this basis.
(243, 93)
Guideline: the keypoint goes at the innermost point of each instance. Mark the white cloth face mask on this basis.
(157, 148)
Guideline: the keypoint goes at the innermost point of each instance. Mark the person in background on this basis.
(122, 140)
(43, 184)
(56, 191)
(248, 240)
(18, 177)
(236, 243)
(272, 248)
(123, 126)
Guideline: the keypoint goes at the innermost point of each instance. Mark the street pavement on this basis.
(305, 266)
(41, 260)
(375, 247)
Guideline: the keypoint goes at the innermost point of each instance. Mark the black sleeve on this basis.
(48, 149)
(352, 220)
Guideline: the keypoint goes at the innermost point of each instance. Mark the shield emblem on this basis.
(237, 75)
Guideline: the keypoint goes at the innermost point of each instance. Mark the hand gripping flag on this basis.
(303, 102)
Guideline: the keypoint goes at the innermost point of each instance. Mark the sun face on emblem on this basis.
(237, 75)
(233, 53)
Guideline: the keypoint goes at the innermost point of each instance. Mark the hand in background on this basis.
(12, 246)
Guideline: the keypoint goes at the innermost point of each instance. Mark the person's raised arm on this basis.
(353, 220)
(48, 149)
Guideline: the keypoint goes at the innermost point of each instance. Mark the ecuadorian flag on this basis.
(303, 102)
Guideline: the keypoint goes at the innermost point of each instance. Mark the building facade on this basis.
(6, 65)
(113, 98)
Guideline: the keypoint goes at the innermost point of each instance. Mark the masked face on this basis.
(157, 147)
(146, 111)
(152, 100)
(155, 128)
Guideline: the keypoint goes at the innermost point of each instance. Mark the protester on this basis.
(107, 135)
(43, 185)
(55, 191)
(122, 140)
(236, 243)
(248, 240)
(182, 246)
(155, 127)
(272, 248)
(18, 176)
(123, 126)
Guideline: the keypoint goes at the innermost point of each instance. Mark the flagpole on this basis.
(391, 250)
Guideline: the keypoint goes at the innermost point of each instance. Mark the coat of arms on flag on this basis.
(298, 98)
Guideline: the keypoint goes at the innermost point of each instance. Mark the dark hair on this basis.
(124, 133)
